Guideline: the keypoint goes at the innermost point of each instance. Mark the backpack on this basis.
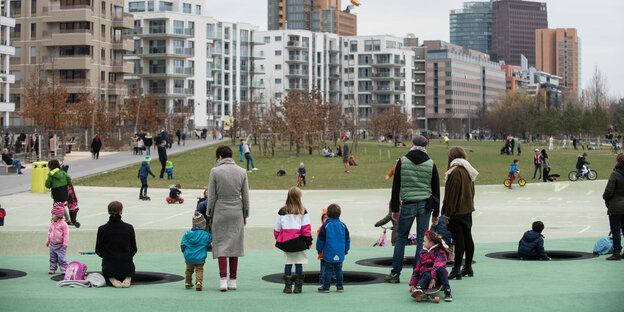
(75, 271)
(281, 173)
(604, 246)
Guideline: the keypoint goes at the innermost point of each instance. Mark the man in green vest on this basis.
(415, 181)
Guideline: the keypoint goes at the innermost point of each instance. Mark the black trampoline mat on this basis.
(141, 278)
(386, 262)
(350, 278)
(556, 255)
(9, 274)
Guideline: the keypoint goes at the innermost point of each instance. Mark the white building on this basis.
(6, 51)
(190, 61)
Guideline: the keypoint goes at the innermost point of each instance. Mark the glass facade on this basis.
(471, 27)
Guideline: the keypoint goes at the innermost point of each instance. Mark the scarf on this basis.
(460, 162)
(418, 148)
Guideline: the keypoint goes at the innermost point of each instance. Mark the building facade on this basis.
(460, 82)
(513, 29)
(314, 15)
(193, 63)
(81, 42)
(514, 79)
(6, 52)
(471, 27)
(558, 51)
(547, 87)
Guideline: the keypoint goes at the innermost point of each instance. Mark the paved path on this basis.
(11, 184)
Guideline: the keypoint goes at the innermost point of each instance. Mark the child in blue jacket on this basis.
(193, 246)
(512, 171)
(334, 243)
(144, 170)
(531, 246)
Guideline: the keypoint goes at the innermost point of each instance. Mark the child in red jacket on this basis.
(431, 269)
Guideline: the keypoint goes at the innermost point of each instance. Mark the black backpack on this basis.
(281, 173)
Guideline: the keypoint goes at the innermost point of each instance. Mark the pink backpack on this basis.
(75, 271)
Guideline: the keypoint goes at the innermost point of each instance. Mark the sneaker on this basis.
(447, 295)
(417, 292)
(392, 278)
(19, 173)
(340, 289)
(249, 171)
(198, 286)
(231, 284)
(323, 290)
(223, 284)
(254, 169)
(188, 285)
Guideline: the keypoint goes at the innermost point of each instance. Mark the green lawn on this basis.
(193, 168)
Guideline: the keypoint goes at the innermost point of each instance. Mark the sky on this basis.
(599, 26)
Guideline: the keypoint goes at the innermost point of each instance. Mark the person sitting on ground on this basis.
(175, 191)
(581, 165)
(531, 246)
(338, 151)
(116, 245)
(10, 160)
(327, 152)
(431, 267)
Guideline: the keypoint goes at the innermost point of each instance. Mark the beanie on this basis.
(58, 209)
(147, 158)
(199, 222)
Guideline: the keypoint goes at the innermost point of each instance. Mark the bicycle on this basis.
(521, 181)
(590, 175)
(383, 239)
(299, 180)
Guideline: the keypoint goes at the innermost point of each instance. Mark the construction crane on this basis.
(354, 3)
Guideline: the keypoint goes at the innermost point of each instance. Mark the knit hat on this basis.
(199, 222)
(147, 158)
(537, 149)
(58, 209)
(300, 164)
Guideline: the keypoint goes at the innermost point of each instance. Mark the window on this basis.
(186, 7)
(33, 7)
(278, 52)
(278, 80)
(16, 32)
(103, 53)
(165, 6)
(33, 31)
(278, 38)
(278, 66)
(178, 27)
(103, 7)
(354, 46)
(197, 9)
(33, 55)
(136, 6)
(103, 76)
(267, 39)
(365, 59)
(278, 95)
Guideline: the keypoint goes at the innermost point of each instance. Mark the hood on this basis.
(531, 236)
(620, 170)
(417, 156)
(194, 236)
(460, 162)
(225, 161)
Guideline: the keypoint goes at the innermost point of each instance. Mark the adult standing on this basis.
(546, 166)
(116, 245)
(148, 143)
(96, 145)
(162, 157)
(415, 183)
(614, 200)
(537, 162)
(165, 136)
(247, 153)
(179, 136)
(550, 143)
(458, 206)
(345, 155)
(228, 209)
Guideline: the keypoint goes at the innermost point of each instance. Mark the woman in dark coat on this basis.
(96, 145)
(116, 244)
(614, 200)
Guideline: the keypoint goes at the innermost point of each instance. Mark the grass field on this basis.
(192, 168)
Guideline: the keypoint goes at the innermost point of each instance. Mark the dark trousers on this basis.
(546, 174)
(442, 279)
(538, 168)
(163, 164)
(460, 228)
(143, 190)
(333, 269)
(617, 223)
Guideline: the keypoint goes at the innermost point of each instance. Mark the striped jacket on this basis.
(293, 232)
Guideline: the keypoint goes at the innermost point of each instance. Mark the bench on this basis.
(6, 169)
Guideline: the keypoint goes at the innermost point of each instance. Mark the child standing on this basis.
(293, 235)
(334, 242)
(531, 246)
(431, 267)
(144, 170)
(72, 205)
(512, 172)
(302, 173)
(193, 245)
(169, 170)
(58, 236)
(57, 182)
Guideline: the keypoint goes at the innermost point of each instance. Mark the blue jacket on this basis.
(443, 231)
(513, 169)
(333, 240)
(145, 170)
(531, 246)
(193, 246)
(301, 171)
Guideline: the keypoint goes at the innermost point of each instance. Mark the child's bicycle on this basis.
(178, 200)
(383, 239)
(521, 181)
(590, 175)
(299, 180)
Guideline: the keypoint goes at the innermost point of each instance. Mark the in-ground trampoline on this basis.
(386, 262)
(350, 278)
(142, 278)
(556, 255)
(9, 274)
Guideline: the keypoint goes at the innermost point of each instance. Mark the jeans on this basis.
(333, 269)
(407, 215)
(147, 149)
(143, 190)
(442, 279)
(249, 158)
(538, 168)
(322, 275)
(18, 164)
(241, 156)
(460, 228)
(617, 223)
(169, 174)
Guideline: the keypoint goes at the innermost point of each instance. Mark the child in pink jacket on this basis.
(58, 236)
(430, 272)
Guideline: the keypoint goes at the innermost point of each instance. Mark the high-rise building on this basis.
(81, 42)
(558, 52)
(314, 15)
(513, 29)
(471, 27)
(460, 82)
(6, 51)
(192, 63)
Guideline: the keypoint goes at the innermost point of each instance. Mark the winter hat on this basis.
(420, 141)
(300, 165)
(58, 209)
(199, 222)
(537, 149)
(147, 158)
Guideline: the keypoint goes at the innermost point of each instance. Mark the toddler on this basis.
(293, 235)
(193, 245)
(302, 173)
(72, 205)
(175, 191)
(58, 236)
(320, 254)
(431, 267)
(512, 172)
(169, 169)
(531, 246)
(334, 243)
(2, 215)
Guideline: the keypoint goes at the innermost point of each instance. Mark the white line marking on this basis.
(479, 213)
(585, 229)
(167, 218)
(589, 193)
(560, 187)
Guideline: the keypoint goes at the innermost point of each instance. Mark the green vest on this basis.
(415, 180)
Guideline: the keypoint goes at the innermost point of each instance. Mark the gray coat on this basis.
(614, 193)
(228, 206)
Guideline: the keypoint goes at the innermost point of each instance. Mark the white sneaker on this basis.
(249, 171)
(223, 285)
(231, 284)
(254, 169)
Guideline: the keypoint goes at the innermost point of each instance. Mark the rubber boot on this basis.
(73, 216)
(467, 271)
(455, 274)
(298, 283)
(288, 283)
(615, 256)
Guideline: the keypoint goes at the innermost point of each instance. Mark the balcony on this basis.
(123, 43)
(63, 13)
(165, 52)
(333, 62)
(296, 72)
(119, 66)
(335, 89)
(163, 32)
(7, 21)
(162, 71)
(296, 45)
(295, 59)
(387, 63)
(67, 37)
(257, 71)
(7, 78)
(334, 76)
(123, 20)
(257, 85)
(70, 61)
(333, 48)
(388, 89)
(214, 36)
(75, 82)
(257, 55)
(387, 76)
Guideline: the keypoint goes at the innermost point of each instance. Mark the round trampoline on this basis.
(350, 278)
(556, 255)
(142, 278)
(9, 274)
(386, 262)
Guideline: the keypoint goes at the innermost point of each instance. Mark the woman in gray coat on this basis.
(614, 200)
(228, 209)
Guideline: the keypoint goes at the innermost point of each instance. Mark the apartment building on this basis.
(300, 60)
(419, 81)
(558, 52)
(6, 51)
(314, 15)
(81, 42)
(193, 63)
(460, 82)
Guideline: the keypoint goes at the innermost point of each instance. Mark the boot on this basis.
(467, 271)
(615, 256)
(73, 216)
(455, 274)
(288, 283)
(298, 283)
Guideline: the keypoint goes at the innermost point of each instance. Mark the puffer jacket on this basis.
(193, 246)
(333, 240)
(57, 183)
(431, 260)
(531, 246)
(58, 233)
(614, 192)
(292, 232)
